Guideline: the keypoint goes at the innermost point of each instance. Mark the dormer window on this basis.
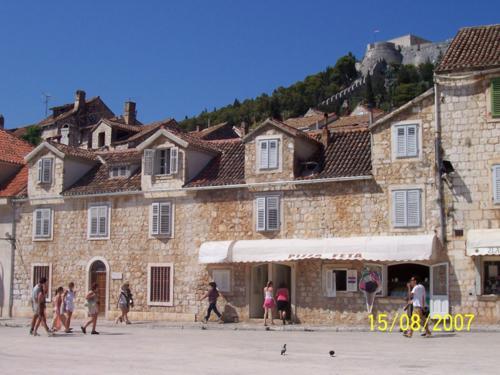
(45, 170)
(161, 162)
(268, 153)
(119, 171)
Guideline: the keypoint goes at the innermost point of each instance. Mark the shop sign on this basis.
(488, 250)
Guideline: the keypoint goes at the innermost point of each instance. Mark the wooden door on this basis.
(101, 290)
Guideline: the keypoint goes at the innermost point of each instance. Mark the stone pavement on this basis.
(145, 349)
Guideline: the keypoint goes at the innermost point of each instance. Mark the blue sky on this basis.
(175, 58)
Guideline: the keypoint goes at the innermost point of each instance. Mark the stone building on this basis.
(468, 92)
(13, 179)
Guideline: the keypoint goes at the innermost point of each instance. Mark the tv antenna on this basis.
(46, 99)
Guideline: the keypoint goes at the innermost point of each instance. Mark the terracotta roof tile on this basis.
(228, 168)
(16, 184)
(97, 181)
(472, 48)
(223, 130)
(75, 151)
(120, 156)
(147, 130)
(13, 149)
(307, 122)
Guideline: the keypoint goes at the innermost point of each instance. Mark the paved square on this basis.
(144, 350)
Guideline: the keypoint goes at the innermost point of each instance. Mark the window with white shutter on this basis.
(45, 170)
(149, 158)
(338, 280)
(42, 223)
(406, 140)
(161, 162)
(173, 160)
(496, 183)
(222, 277)
(267, 213)
(160, 284)
(406, 208)
(268, 154)
(98, 222)
(161, 219)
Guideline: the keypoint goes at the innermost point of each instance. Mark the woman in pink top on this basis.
(282, 298)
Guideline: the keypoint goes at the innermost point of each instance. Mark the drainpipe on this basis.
(439, 161)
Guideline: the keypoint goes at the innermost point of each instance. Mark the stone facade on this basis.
(471, 142)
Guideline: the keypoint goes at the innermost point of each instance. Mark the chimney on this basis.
(325, 136)
(244, 128)
(2, 122)
(79, 99)
(129, 113)
(370, 115)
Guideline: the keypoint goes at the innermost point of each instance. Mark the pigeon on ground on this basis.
(332, 353)
(283, 350)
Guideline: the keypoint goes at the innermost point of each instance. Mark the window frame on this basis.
(266, 228)
(417, 124)
(172, 219)
(171, 285)
(49, 279)
(495, 179)
(41, 167)
(494, 81)
(279, 153)
(223, 269)
(332, 268)
(50, 235)
(406, 190)
(118, 169)
(98, 237)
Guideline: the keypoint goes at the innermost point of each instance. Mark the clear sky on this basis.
(175, 58)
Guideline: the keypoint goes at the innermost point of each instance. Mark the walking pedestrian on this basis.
(93, 309)
(268, 302)
(418, 301)
(42, 319)
(59, 319)
(34, 302)
(69, 305)
(125, 302)
(282, 301)
(409, 306)
(212, 294)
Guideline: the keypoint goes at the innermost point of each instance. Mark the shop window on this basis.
(491, 279)
(222, 277)
(339, 280)
(399, 275)
(160, 284)
(381, 273)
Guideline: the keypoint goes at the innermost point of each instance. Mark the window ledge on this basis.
(490, 119)
(161, 304)
(488, 297)
(42, 239)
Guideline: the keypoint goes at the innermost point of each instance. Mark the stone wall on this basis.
(471, 141)
(42, 190)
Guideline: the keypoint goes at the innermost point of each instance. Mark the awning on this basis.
(483, 242)
(376, 248)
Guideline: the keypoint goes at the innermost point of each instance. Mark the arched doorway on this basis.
(98, 273)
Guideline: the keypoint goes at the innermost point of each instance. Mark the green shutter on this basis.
(495, 97)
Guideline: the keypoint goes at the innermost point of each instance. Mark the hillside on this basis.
(388, 88)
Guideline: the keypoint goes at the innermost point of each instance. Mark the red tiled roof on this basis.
(15, 185)
(13, 149)
(306, 122)
(120, 156)
(147, 130)
(74, 151)
(119, 124)
(98, 180)
(228, 168)
(473, 48)
(223, 130)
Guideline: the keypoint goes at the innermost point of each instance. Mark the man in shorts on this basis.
(417, 295)
(34, 302)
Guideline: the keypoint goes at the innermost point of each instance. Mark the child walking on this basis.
(212, 294)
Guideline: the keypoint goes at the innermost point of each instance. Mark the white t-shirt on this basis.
(418, 292)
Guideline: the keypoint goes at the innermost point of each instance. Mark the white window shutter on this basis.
(260, 213)
(46, 222)
(273, 153)
(93, 221)
(413, 210)
(165, 218)
(401, 141)
(103, 220)
(47, 170)
(273, 213)
(411, 141)
(352, 280)
(264, 154)
(38, 223)
(399, 208)
(496, 183)
(155, 218)
(40, 170)
(174, 160)
(149, 157)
